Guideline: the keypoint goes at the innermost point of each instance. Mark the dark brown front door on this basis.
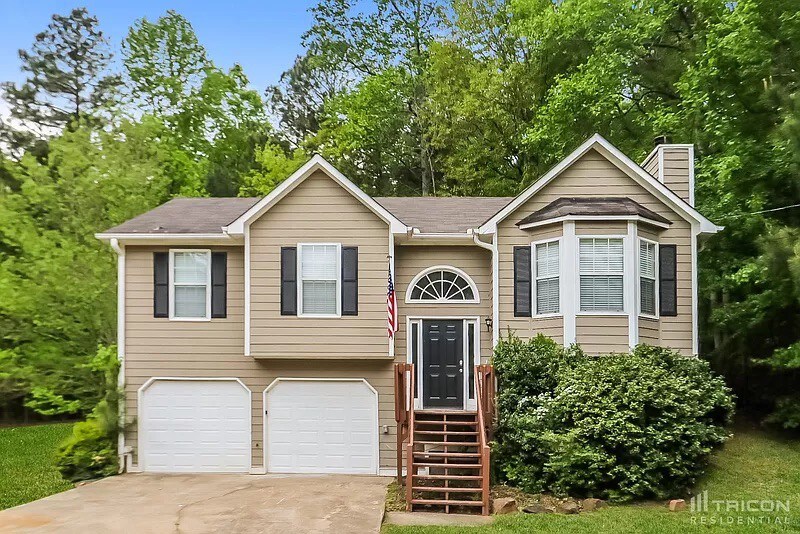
(443, 364)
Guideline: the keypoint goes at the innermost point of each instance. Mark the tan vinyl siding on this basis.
(649, 331)
(475, 261)
(675, 173)
(215, 349)
(613, 228)
(318, 211)
(509, 237)
(594, 176)
(601, 334)
(651, 165)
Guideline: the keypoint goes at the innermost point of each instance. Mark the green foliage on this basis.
(621, 426)
(91, 450)
(68, 80)
(272, 166)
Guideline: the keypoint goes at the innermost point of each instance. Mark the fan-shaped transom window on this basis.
(442, 284)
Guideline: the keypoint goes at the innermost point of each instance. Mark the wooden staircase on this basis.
(447, 453)
(447, 467)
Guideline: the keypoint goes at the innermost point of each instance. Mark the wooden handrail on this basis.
(403, 411)
(484, 398)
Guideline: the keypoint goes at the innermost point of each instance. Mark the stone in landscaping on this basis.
(677, 505)
(537, 508)
(590, 505)
(568, 507)
(505, 505)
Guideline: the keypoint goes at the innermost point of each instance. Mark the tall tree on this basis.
(367, 38)
(297, 101)
(214, 114)
(68, 80)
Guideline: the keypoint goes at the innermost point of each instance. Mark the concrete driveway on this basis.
(140, 503)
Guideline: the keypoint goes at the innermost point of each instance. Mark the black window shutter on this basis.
(219, 284)
(289, 281)
(161, 284)
(349, 280)
(668, 280)
(522, 281)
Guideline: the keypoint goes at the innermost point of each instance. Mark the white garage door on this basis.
(316, 426)
(191, 426)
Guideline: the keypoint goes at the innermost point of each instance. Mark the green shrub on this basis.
(622, 426)
(91, 450)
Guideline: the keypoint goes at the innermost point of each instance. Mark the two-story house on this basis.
(254, 332)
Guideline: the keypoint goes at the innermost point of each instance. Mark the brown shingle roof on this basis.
(187, 216)
(592, 206)
(443, 215)
(209, 215)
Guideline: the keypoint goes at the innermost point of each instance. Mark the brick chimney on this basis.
(673, 165)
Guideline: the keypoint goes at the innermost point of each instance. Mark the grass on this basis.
(753, 465)
(27, 456)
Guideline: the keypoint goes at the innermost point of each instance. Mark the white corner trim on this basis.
(316, 163)
(495, 292)
(624, 163)
(691, 175)
(391, 339)
(265, 414)
(451, 268)
(247, 351)
(568, 289)
(695, 315)
(141, 411)
(120, 250)
(631, 279)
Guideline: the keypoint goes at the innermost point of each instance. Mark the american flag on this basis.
(391, 304)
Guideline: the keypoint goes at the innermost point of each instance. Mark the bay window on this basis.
(546, 269)
(601, 268)
(647, 277)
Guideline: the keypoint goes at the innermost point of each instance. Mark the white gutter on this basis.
(495, 282)
(124, 455)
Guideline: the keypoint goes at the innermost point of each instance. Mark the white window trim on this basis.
(172, 253)
(429, 270)
(639, 283)
(338, 313)
(560, 277)
(625, 274)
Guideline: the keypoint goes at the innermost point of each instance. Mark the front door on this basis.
(443, 364)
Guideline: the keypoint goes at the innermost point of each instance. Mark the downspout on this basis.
(495, 282)
(123, 452)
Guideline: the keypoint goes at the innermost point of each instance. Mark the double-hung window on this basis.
(602, 268)
(647, 277)
(190, 277)
(546, 271)
(319, 279)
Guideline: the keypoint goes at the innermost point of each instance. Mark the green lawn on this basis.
(27, 454)
(753, 465)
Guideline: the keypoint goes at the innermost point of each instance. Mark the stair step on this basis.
(450, 443)
(442, 423)
(446, 501)
(446, 432)
(448, 454)
(448, 466)
(449, 477)
(434, 411)
(436, 489)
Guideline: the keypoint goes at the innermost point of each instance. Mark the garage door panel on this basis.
(191, 426)
(322, 427)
